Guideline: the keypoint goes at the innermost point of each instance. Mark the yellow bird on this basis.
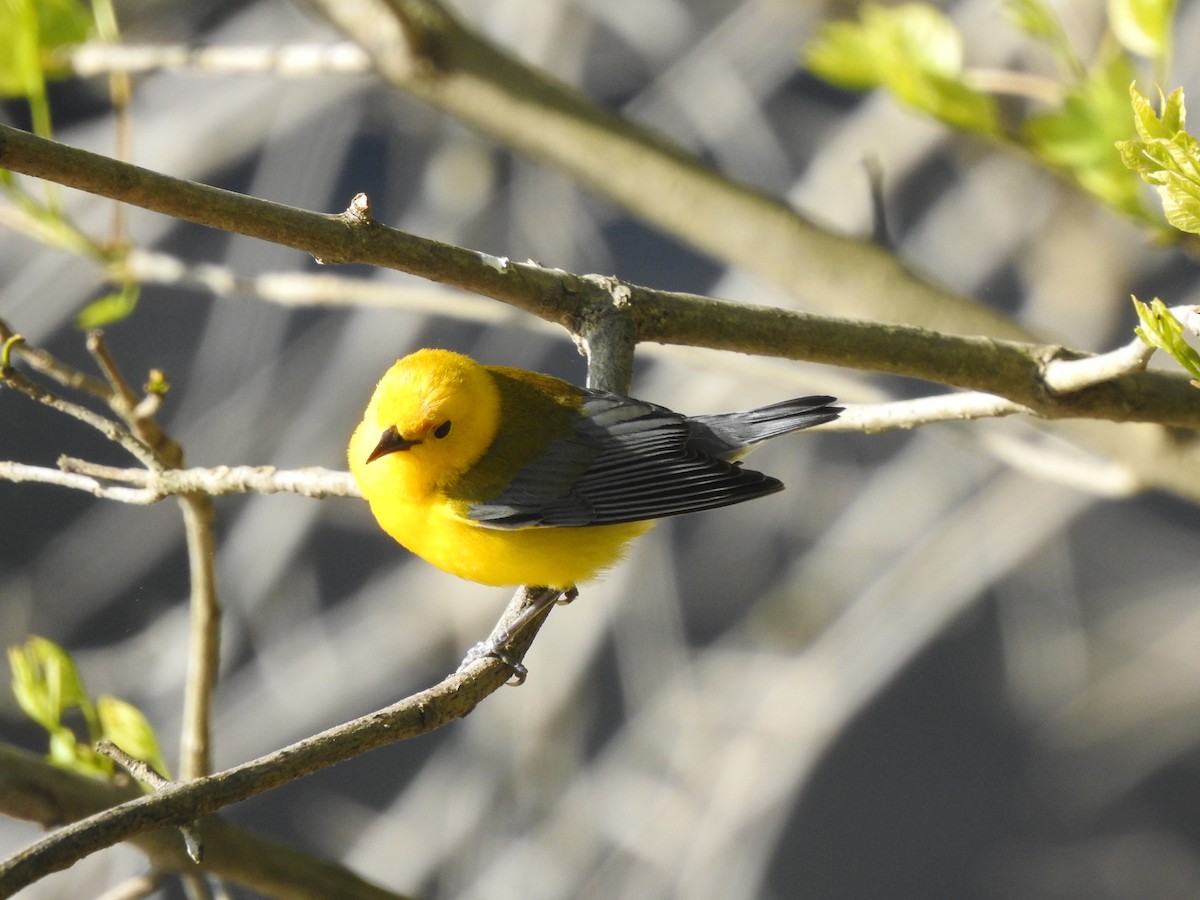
(508, 477)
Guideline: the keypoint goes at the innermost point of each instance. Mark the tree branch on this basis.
(34, 790)
(292, 61)
(191, 801)
(420, 47)
(1011, 369)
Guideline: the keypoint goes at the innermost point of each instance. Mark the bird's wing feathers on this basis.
(626, 462)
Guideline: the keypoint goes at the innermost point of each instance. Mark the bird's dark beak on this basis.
(390, 442)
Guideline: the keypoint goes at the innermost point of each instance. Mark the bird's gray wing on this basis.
(627, 461)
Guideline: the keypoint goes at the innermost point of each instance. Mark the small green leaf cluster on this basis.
(1167, 157)
(1160, 329)
(914, 51)
(49, 689)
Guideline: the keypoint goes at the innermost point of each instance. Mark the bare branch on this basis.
(1066, 375)
(314, 481)
(204, 636)
(308, 289)
(905, 414)
(36, 791)
(106, 427)
(420, 47)
(20, 472)
(190, 801)
(1006, 368)
(292, 61)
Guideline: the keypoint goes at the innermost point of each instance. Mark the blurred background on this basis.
(918, 672)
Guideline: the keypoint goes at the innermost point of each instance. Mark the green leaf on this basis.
(1151, 125)
(68, 752)
(1162, 330)
(1036, 18)
(1142, 26)
(29, 30)
(844, 54)
(111, 308)
(126, 726)
(950, 101)
(1167, 157)
(922, 36)
(1081, 136)
(46, 683)
(915, 52)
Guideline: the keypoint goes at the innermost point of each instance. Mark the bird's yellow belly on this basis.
(553, 557)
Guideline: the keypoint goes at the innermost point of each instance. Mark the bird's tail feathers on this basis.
(729, 432)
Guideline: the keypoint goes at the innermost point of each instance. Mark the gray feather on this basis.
(628, 461)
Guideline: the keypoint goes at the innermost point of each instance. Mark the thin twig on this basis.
(1063, 376)
(204, 637)
(873, 418)
(123, 401)
(204, 652)
(20, 472)
(312, 481)
(49, 365)
(139, 769)
(146, 774)
(106, 427)
(122, 398)
(291, 61)
(159, 453)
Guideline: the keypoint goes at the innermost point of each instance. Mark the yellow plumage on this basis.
(506, 477)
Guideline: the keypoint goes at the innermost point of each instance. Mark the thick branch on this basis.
(191, 801)
(419, 47)
(1007, 368)
(352, 236)
(1010, 369)
(34, 790)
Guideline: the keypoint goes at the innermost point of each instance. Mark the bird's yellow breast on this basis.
(435, 530)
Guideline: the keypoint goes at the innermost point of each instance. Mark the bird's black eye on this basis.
(442, 430)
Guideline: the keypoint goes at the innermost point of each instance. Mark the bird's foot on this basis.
(490, 649)
(502, 635)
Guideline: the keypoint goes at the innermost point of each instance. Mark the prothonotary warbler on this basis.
(507, 477)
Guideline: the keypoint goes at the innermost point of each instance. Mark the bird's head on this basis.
(433, 415)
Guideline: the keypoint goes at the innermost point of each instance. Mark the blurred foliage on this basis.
(110, 308)
(914, 51)
(1142, 27)
(48, 688)
(30, 32)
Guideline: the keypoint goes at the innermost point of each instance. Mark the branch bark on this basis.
(36, 791)
(1010, 369)
(191, 801)
(419, 47)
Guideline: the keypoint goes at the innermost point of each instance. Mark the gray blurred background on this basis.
(920, 672)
